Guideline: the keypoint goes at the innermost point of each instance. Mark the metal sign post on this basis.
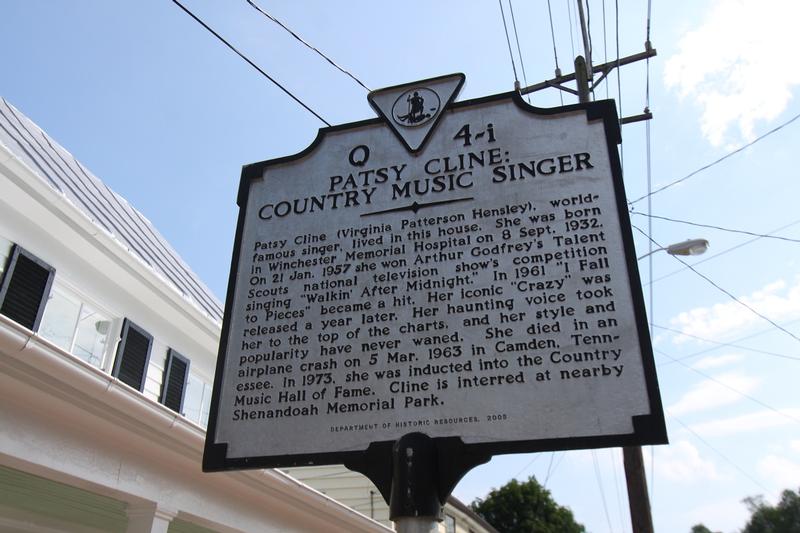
(415, 293)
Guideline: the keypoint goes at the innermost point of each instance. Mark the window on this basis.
(75, 326)
(198, 400)
(25, 286)
(176, 373)
(133, 354)
(449, 524)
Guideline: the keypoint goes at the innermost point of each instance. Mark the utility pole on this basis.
(638, 499)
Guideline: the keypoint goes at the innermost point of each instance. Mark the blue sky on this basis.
(166, 115)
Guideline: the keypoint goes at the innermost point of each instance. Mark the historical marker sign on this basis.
(455, 269)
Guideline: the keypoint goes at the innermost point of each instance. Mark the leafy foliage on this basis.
(700, 528)
(525, 508)
(781, 518)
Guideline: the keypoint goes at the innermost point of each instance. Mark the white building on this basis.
(358, 492)
(107, 350)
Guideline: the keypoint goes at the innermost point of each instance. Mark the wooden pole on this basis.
(638, 501)
(582, 79)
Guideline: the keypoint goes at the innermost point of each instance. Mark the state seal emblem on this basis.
(416, 107)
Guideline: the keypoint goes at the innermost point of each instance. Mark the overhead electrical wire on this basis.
(614, 468)
(717, 161)
(723, 456)
(649, 170)
(599, 479)
(727, 250)
(697, 224)
(293, 34)
(558, 463)
(591, 45)
(508, 40)
(553, 37)
(737, 391)
(724, 291)
(249, 61)
(519, 50)
(535, 458)
(619, 86)
(571, 37)
(555, 52)
(723, 344)
(647, 60)
(549, 469)
(605, 43)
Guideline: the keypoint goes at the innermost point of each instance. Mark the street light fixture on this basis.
(688, 247)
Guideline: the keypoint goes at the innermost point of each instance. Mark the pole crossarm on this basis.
(647, 115)
(604, 69)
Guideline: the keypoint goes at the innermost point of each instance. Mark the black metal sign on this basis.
(463, 270)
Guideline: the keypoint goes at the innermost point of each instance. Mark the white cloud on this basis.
(776, 300)
(737, 64)
(747, 423)
(781, 472)
(681, 462)
(709, 394)
(795, 444)
(717, 361)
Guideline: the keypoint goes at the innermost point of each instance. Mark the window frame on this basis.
(452, 520)
(68, 289)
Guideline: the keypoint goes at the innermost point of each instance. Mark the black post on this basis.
(414, 502)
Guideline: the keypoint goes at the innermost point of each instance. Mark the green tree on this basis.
(700, 528)
(525, 508)
(781, 518)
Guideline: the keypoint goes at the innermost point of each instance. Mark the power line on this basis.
(571, 37)
(650, 258)
(293, 34)
(549, 467)
(649, 152)
(553, 36)
(589, 35)
(605, 42)
(555, 53)
(723, 252)
(508, 40)
(723, 384)
(558, 463)
(519, 50)
(240, 54)
(720, 160)
(725, 458)
(697, 224)
(729, 344)
(602, 489)
(734, 298)
(535, 458)
(614, 468)
(619, 86)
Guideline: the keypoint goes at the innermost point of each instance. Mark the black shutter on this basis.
(176, 374)
(25, 288)
(133, 354)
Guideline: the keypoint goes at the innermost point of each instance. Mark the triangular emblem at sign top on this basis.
(413, 110)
